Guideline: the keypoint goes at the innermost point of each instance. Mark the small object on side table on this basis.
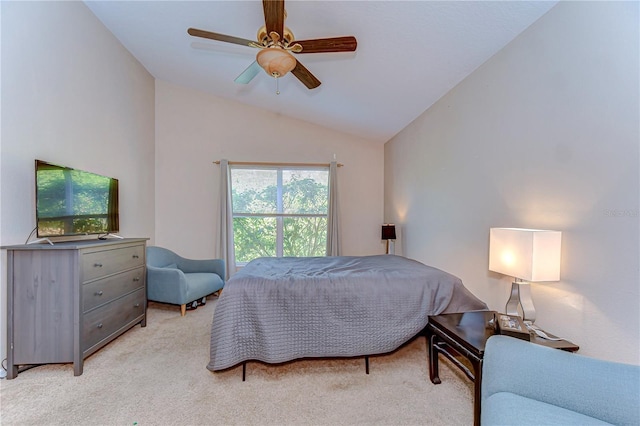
(510, 325)
(465, 334)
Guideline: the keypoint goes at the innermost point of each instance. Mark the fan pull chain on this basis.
(277, 88)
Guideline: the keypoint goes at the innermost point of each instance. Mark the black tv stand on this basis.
(40, 240)
(110, 235)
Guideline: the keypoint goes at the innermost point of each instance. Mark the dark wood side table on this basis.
(465, 334)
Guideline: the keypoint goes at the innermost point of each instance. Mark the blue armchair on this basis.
(179, 281)
(528, 384)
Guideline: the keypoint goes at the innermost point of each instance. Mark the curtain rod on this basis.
(258, 163)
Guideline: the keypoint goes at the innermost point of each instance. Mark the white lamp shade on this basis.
(528, 254)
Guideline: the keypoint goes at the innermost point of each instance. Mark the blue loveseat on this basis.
(528, 384)
(179, 281)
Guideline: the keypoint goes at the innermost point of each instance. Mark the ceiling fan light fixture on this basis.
(276, 61)
(277, 43)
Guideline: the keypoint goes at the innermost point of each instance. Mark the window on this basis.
(279, 211)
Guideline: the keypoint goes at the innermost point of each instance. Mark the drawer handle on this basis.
(97, 265)
(135, 256)
(137, 305)
(99, 293)
(100, 325)
(136, 279)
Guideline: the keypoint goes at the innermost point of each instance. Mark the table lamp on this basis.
(388, 233)
(528, 255)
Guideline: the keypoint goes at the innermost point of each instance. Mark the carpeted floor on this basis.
(157, 376)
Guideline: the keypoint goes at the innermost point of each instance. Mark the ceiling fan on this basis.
(276, 43)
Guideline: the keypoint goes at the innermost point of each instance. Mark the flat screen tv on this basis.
(74, 202)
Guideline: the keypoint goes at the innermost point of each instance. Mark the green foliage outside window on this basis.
(279, 212)
(254, 237)
(304, 237)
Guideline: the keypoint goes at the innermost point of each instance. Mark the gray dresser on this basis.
(65, 301)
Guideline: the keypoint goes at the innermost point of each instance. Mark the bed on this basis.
(281, 309)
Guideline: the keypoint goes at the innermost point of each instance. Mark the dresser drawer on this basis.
(102, 291)
(107, 319)
(101, 263)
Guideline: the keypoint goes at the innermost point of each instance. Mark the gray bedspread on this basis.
(279, 309)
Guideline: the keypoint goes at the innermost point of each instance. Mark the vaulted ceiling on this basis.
(409, 54)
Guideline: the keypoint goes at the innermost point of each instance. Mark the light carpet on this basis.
(157, 376)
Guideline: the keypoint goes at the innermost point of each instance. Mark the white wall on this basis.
(194, 129)
(71, 95)
(544, 135)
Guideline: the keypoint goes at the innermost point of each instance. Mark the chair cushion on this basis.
(200, 284)
(505, 408)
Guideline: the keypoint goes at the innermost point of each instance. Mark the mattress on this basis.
(280, 309)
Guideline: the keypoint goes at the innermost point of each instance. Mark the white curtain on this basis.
(333, 225)
(225, 244)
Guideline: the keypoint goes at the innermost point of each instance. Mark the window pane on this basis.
(305, 236)
(254, 237)
(254, 191)
(305, 191)
(262, 201)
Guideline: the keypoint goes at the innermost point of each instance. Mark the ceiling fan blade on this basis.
(305, 76)
(274, 16)
(220, 37)
(248, 74)
(326, 45)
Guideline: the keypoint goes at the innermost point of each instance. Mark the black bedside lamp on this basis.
(388, 233)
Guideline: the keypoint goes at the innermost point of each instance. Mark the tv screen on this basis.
(74, 202)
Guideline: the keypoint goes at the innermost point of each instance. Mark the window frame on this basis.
(279, 215)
